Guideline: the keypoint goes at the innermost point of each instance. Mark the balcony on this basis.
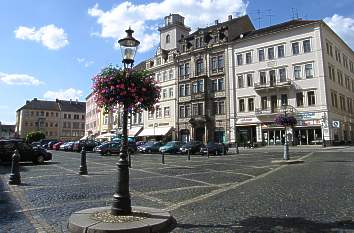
(198, 96)
(199, 74)
(265, 112)
(276, 85)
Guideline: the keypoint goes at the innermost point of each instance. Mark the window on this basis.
(350, 105)
(164, 93)
(261, 54)
(170, 75)
(248, 58)
(214, 85)
(105, 121)
(164, 75)
(200, 85)
(334, 99)
(295, 48)
(340, 77)
(214, 65)
(299, 99)
(47, 114)
(42, 113)
(347, 82)
(187, 90)
(297, 72)
(158, 61)
(69, 116)
(151, 114)
(181, 90)
(281, 52)
(241, 105)
(170, 92)
(181, 111)
(217, 84)
(188, 110)
(199, 67)
(271, 53)
(194, 87)
(181, 71)
(282, 75)
(342, 102)
(239, 59)
(220, 63)
(197, 109)
(272, 78)
(249, 80)
(221, 86)
(331, 72)
(166, 111)
(262, 78)
(311, 98)
(306, 45)
(308, 71)
(65, 116)
(240, 81)
(219, 108)
(158, 112)
(250, 104)
(284, 99)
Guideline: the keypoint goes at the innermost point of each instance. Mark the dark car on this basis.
(150, 147)
(214, 149)
(113, 148)
(192, 146)
(44, 142)
(88, 144)
(27, 153)
(171, 147)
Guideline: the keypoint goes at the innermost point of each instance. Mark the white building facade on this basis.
(290, 64)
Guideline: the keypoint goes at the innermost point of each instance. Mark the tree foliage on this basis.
(34, 136)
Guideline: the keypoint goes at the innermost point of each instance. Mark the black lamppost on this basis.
(121, 199)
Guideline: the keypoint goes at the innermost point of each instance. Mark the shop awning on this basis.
(134, 131)
(157, 131)
(106, 135)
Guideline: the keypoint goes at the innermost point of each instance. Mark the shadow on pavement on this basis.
(278, 225)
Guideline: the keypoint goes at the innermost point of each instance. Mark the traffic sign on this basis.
(335, 124)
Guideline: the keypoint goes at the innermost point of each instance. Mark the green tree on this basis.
(34, 136)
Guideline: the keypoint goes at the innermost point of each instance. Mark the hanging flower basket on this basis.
(285, 120)
(134, 90)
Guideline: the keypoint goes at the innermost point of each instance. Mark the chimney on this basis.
(27, 101)
(70, 101)
(57, 100)
(230, 17)
(216, 22)
(35, 99)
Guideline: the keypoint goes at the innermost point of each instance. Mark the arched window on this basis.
(167, 39)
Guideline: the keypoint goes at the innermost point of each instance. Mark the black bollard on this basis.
(208, 153)
(15, 177)
(237, 151)
(163, 157)
(129, 159)
(189, 155)
(83, 166)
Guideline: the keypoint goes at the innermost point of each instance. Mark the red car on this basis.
(56, 146)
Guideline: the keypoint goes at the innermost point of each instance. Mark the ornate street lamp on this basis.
(128, 47)
(121, 199)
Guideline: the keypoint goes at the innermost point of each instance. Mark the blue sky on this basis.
(51, 49)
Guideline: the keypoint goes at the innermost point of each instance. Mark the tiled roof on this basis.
(57, 105)
(278, 27)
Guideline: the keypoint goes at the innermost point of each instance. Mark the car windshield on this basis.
(149, 143)
(171, 143)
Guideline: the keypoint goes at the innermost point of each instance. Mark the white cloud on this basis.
(84, 61)
(67, 94)
(19, 79)
(343, 26)
(142, 18)
(50, 36)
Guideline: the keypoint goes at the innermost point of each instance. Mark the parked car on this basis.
(51, 144)
(68, 146)
(192, 146)
(171, 147)
(214, 149)
(57, 145)
(140, 143)
(44, 142)
(27, 153)
(89, 145)
(113, 148)
(150, 147)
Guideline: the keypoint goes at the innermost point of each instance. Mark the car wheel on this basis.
(39, 159)
(149, 151)
(108, 153)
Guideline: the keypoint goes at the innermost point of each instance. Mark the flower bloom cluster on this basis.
(134, 90)
(285, 120)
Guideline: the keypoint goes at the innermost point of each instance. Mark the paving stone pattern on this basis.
(232, 193)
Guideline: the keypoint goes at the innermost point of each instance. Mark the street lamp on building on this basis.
(121, 198)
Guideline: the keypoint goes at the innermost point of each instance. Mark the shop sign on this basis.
(305, 115)
(247, 120)
(335, 124)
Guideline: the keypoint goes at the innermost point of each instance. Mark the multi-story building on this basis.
(59, 119)
(203, 86)
(7, 131)
(92, 117)
(301, 66)
(161, 123)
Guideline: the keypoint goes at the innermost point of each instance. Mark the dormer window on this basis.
(168, 39)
